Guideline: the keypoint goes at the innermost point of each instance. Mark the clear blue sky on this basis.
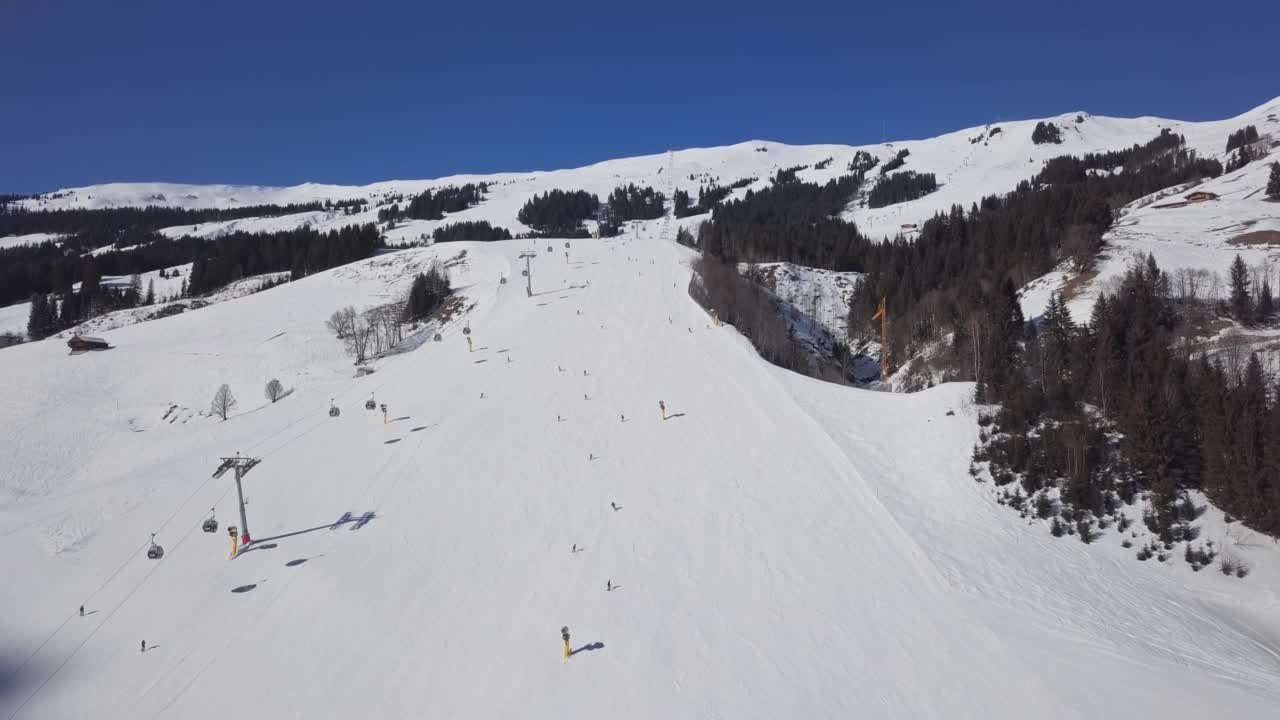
(256, 92)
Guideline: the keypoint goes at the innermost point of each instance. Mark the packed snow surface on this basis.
(781, 547)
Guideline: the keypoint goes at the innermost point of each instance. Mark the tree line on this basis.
(1244, 136)
(97, 228)
(434, 204)
(1070, 168)
(559, 213)
(634, 203)
(901, 187)
(479, 230)
(1162, 420)
(1119, 407)
(789, 221)
(1046, 132)
(56, 305)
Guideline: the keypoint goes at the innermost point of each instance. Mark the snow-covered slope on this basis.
(780, 547)
(1195, 236)
(969, 164)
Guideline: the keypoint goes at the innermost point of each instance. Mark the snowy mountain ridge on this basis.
(968, 163)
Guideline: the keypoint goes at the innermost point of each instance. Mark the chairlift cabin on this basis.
(155, 552)
(438, 338)
(370, 404)
(333, 410)
(210, 524)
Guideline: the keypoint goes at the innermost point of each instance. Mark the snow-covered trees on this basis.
(223, 402)
(274, 390)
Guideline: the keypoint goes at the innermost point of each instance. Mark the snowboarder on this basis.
(615, 506)
(144, 646)
(622, 417)
(575, 548)
(608, 585)
(81, 611)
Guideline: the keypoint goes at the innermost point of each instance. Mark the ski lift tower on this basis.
(242, 466)
(528, 256)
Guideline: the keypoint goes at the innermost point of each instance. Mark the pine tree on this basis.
(1273, 183)
(38, 320)
(1240, 301)
(1266, 303)
(151, 293)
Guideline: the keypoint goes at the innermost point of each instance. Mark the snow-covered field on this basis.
(780, 548)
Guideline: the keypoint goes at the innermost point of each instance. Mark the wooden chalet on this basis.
(82, 343)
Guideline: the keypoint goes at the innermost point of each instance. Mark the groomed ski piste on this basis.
(781, 547)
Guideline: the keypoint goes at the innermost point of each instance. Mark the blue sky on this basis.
(274, 93)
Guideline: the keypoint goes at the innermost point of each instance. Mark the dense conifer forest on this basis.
(479, 230)
(1104, 406)
(557, 213)
(901, 187)
(56, 305)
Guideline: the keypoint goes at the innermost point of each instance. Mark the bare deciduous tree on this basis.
(342, 322)
(274, 390)
(223, 402)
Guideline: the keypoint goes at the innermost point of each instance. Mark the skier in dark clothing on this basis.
(144, 646)
(81, 611)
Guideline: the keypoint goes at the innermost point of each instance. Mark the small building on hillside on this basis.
(82, 343)
(1201, 196)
